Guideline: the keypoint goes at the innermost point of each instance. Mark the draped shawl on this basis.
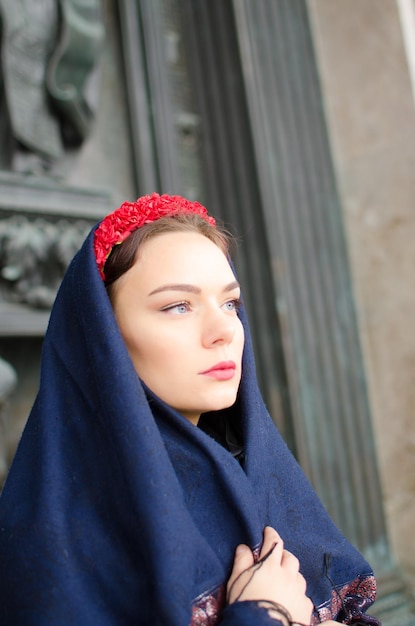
(119, 511)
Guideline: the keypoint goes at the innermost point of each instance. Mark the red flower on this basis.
(116, 226)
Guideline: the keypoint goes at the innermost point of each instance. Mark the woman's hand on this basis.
(274, 577)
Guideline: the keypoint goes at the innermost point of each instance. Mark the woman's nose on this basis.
(219, 327)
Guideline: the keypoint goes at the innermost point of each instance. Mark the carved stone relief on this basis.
(49, 52)
(65, 161)
(34, 254)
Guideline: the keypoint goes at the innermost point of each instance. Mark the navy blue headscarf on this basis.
(118, 511)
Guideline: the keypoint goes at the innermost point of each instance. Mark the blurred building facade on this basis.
(293, 120)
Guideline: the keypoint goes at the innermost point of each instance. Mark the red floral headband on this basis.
(116, 226)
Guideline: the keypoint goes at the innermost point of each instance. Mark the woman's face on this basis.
(177, 311)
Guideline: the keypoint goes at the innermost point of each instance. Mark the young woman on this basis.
(150, 485)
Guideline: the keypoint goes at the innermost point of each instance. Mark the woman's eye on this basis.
(180, 308)
(232, 305)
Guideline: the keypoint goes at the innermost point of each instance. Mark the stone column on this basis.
(8, 379)
(371, 116)
(311, 276)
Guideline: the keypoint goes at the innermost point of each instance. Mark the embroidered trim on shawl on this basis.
(207, 606)
(355, 597)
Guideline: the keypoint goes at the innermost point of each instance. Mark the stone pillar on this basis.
(366, 84)
(8, 379)
(311, 274)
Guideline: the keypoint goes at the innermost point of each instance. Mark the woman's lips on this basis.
(221, 371)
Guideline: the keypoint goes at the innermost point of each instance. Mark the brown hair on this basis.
(124, 255)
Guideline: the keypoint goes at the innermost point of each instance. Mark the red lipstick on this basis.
(221, 371)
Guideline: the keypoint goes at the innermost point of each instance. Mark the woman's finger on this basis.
(290, 562)
(271, 541)
(243, 560)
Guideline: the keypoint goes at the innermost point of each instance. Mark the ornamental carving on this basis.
(34, 254)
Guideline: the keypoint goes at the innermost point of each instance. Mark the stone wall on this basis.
(371, 116)
(85, 182)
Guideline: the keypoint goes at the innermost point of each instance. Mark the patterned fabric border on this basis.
(354, 598)
(207, 607)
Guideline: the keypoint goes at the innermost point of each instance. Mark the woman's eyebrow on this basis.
(233, 285)
(190, 288)
(176, 287)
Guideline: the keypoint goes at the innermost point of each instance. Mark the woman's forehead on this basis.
(183, 249)
(180, 257)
